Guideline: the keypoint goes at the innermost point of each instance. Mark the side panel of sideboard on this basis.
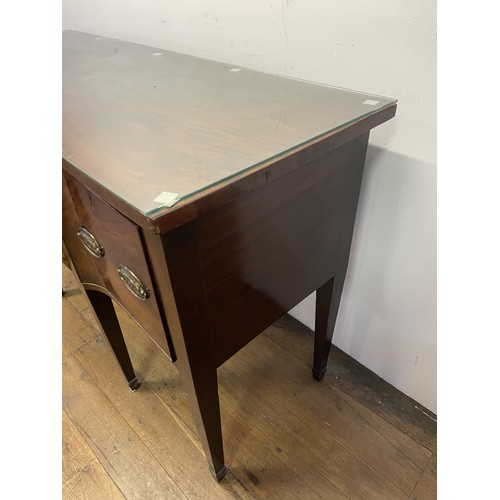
(261, 254)
(226, 276)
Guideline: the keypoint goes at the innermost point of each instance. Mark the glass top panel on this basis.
(143, 121)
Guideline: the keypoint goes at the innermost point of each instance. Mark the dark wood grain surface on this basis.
(273, 246)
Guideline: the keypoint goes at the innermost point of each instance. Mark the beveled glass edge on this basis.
(249, 167)
(239, 172)
(269, 158)
(323, 84)
(236, 174)
(84, 172)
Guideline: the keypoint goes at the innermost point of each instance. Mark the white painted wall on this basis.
(387, 319)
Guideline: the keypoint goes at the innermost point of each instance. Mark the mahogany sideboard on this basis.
(207, 200)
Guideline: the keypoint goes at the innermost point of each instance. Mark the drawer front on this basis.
(107, 251)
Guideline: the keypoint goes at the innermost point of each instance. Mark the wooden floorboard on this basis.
(83, 475)
(354, 379)
(286, 436)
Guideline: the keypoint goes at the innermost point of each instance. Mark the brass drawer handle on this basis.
(90, 243)
(132, 282)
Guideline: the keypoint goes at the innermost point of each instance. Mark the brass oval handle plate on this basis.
(90, 243)
(132, 282)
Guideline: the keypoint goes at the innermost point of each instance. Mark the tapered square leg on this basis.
(326, 314)
(328, 296)
(202, 388)
(106, 316)
(188, 323)
(327, 307)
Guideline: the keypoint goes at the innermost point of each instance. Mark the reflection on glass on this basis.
(143, 121)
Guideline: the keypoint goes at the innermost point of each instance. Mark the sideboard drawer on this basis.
(107, 252)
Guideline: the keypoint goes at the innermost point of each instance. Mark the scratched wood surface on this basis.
(285, 435)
